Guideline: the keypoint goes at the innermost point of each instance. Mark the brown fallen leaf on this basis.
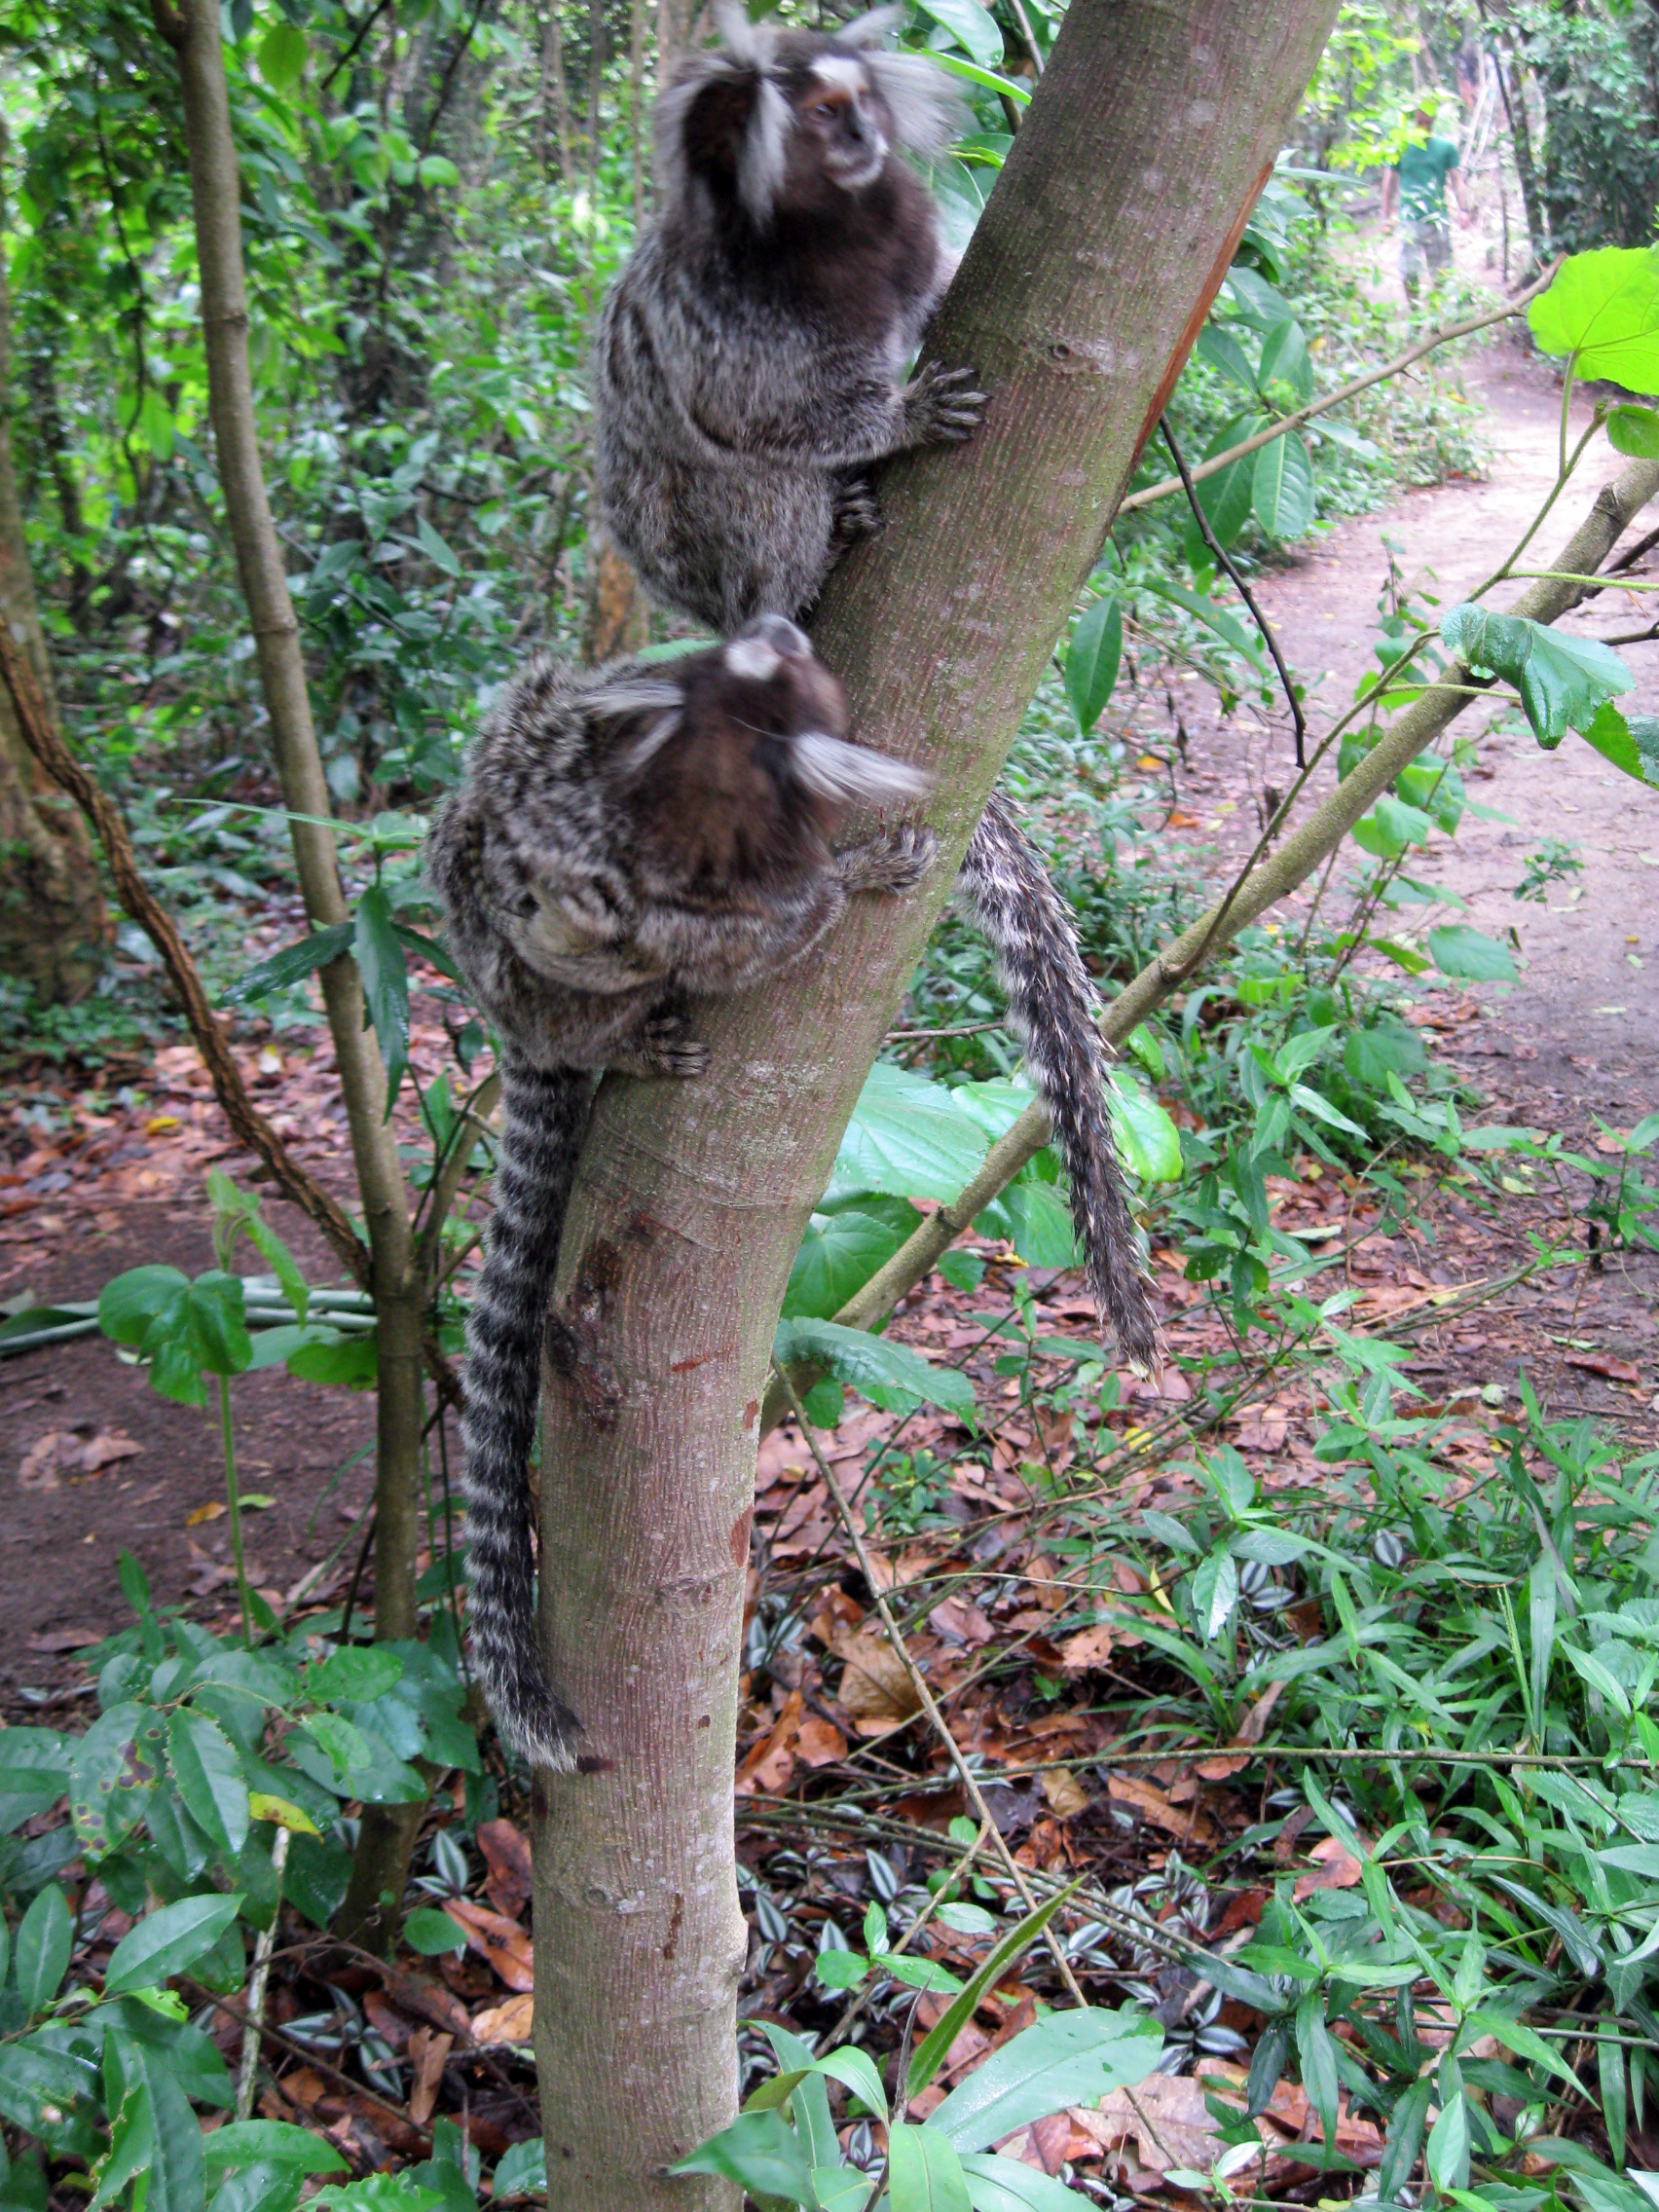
(1089, 1648)
(506, 1854)
(495, 1937)
(64, 1452)
(64, 1639)
(1250, 1730)
(876, 1688)
(428, 2049)
(957, 1620)
(1335, 1869)
(1187, 1822)
(768, 1763)
(820, 1742)
(1066, 1795)
(1605, 1363)
(510, 2022)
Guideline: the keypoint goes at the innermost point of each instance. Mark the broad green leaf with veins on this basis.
(1562, 679)
(1604, 310)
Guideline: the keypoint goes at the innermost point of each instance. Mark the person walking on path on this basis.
(1416, 185)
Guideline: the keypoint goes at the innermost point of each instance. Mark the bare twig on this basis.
(153, 918)
(1167, 486)
(1207, 530)
(262, 1950)
(918, 1682)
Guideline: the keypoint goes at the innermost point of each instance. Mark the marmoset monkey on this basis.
(749, 356)
(622, 837)
(748, 366)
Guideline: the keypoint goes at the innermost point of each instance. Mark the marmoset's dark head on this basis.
(783, 120)
(736, 762)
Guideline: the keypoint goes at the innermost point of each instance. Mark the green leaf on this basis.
(1215, 1593)
(361, 1673)
(1070, 2059)
(176, 2182)
(1459, 950)
(522, 2172)
(1630, 742)
(1562, 679)
(44, 1939)
(1220, 350)
(837, 1256)
(907, 1137)
(842, 2189)
(973, 29)
(385, 985)
(840, 1969)
(1318, 2055)
(1091, 660)
(1403, 2140)
(856, 2070)
(929, 2055)
(1148, 1142)
(924, 2171)
(889, 1375)
(128, 1306)
(432, 1932)
(290, 964)
(1635, 430)
(1285, 355)
(761, 2151)
(1448, 2155)
(283, 56)
(435, 169)
(1215, 618)
(168, 1940)
(350, 1361)
(240, 2142)
(1008, 2185)
(1516, 2035)
(1604, 310)
(1611, 2069)
(1284, 488)
(210, 1779)
(432, 546)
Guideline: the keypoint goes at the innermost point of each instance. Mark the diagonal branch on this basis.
(1264, 882)
(1167, 486)
(250, 1126)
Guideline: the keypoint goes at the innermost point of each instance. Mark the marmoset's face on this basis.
(841, 122)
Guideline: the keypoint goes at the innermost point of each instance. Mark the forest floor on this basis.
(1091, 1761)
(95, 1460)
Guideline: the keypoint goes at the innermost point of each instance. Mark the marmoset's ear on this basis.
(831, 768)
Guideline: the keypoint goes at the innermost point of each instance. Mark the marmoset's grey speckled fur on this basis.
(749, 357)
(623, 836)
(748, 366)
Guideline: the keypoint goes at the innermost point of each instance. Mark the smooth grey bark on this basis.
(193, 31)
(1155, 124)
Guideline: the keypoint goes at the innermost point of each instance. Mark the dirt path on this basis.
(1586, 1008)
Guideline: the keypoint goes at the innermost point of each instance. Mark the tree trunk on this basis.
(52, 925)
(193, 31)
(553, 95)
(596, 90)
(1153, 127)
(637, 102)
(1520, 139)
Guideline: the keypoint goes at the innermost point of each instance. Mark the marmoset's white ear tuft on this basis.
(834, 770)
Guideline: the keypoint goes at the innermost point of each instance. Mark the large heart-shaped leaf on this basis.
(1562, 680)
(1604, 310)
(907, 1137)
(889, 1375)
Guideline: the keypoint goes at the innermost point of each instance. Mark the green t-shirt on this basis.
(1422, 172)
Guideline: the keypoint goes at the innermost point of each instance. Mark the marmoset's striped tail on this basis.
(1052, 1011)
(544, 1113)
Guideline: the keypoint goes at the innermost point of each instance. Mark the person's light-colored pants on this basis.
(1425, 245)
